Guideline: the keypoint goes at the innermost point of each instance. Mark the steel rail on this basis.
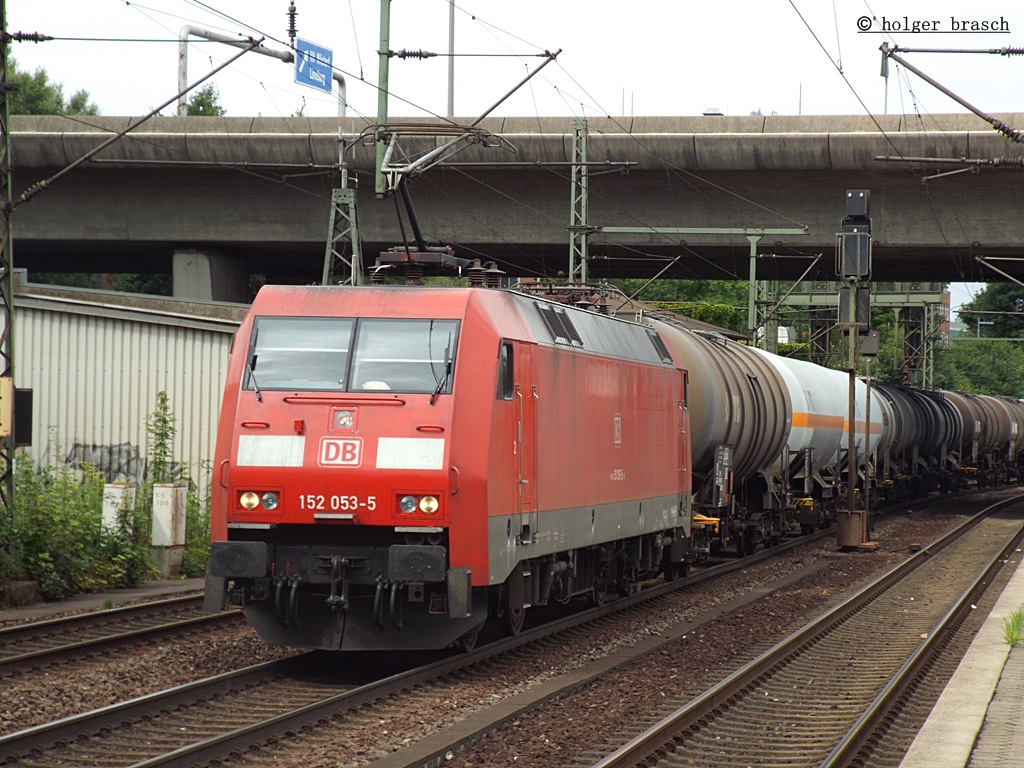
(662, 733)
(245, 737)
(84, 725)
(17, 632)
(51, 646)
(70, 728)
(908, 677)
(109, 642)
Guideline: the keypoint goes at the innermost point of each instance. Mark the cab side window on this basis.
(506, 372)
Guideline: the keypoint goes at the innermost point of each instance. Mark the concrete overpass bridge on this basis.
(256, 194)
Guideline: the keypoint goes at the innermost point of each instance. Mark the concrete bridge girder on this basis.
(259, 189)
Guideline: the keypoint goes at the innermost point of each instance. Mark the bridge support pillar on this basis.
(209, 276)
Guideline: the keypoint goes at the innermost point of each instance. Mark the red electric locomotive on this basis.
(395, 466)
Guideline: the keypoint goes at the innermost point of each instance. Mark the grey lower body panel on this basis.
(561, 530)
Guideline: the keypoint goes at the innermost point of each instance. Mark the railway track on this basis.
(826, 695)
(36, 644)
(208, 719)
(230, 714)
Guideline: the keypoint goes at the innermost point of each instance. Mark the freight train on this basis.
(396, 466)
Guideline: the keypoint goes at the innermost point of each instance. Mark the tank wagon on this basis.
(397, 466)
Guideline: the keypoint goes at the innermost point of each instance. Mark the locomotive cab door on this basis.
(527, 399)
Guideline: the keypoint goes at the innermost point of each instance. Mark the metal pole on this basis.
(188, 30)
(451, 59)
(864, 534)
(379, 185)
(752, 292)
(851, 434)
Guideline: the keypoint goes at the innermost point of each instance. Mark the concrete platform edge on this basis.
(949, 735)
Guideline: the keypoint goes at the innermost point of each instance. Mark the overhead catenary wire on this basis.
(213, 3)
(42, 186)
(898, 153)
(491, 27)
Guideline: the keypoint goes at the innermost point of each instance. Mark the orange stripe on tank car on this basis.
(876, 427)
(818, 421)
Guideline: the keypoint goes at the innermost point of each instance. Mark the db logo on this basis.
(340, 452)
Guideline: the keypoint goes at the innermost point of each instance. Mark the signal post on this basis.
(853, 265)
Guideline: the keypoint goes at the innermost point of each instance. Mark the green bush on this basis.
(161, 429)
(58, 530)
(197, 535)
(127, 545)
(60, 536)
(8, 543)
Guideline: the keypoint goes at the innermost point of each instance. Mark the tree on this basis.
(719, 302)
(705, 291)
(205, 103)
(34, 94)
(995, 312)
(983, 367)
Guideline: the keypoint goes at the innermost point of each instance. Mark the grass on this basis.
(1013, 625)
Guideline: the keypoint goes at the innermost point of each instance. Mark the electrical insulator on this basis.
(292, 13)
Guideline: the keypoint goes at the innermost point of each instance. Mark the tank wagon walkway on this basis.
(978, 722)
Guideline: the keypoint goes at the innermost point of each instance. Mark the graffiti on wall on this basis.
(120, 462)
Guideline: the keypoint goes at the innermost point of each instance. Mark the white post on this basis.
(169, 527)
(116, 496)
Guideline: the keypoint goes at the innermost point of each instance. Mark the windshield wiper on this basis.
(447, 372)
(250, 364)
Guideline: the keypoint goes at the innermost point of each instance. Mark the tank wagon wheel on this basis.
(745, 544)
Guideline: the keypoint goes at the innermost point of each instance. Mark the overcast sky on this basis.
(646, 57)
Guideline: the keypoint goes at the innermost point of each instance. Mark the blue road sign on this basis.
(313, 65)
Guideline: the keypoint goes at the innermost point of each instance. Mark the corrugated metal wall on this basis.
(95, 371)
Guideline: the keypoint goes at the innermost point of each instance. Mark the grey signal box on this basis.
(857, 202)
(854, 255)
(855, 250)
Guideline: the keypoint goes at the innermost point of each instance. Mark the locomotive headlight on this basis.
(408, 504)
(249, 500)
(344, 419)
(270, 500)
(428, 505)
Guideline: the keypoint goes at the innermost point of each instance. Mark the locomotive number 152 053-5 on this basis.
(336, 503)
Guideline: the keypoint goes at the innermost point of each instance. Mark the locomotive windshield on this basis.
(351, 355)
